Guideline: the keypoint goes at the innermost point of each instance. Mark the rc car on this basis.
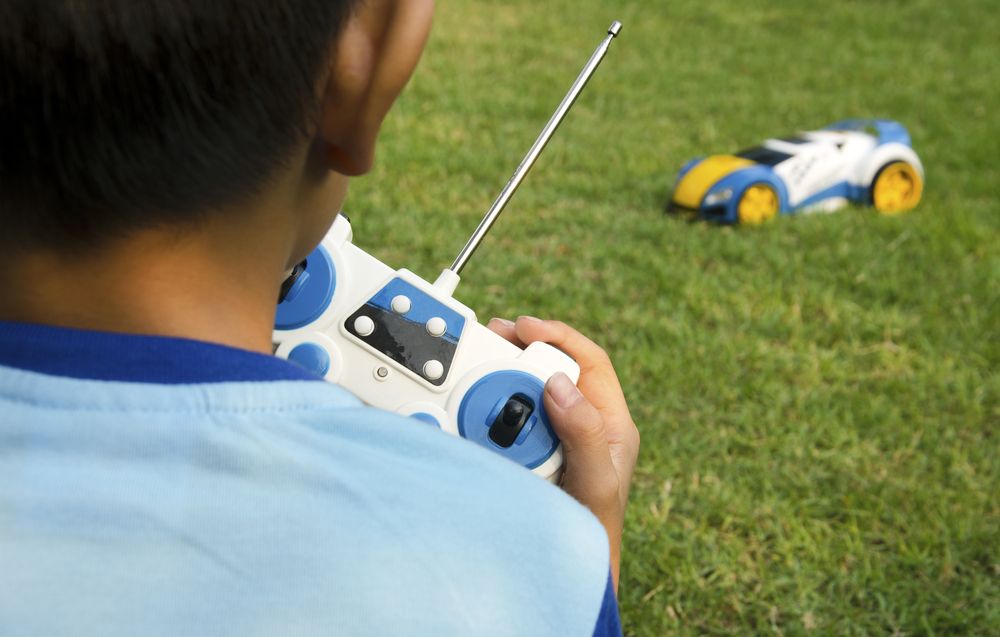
(865, 161)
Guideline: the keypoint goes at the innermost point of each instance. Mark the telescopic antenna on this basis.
(449, 277)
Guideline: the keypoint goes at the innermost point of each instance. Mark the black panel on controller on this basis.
(511, 420)
(404, 341)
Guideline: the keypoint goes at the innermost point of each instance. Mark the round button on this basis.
(312, 357)
(401, 304)
(437, 326)
(427, 418)
(364, 326)
(433, 370)
(381, 373)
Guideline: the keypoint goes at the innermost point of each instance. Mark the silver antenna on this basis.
(536, 149)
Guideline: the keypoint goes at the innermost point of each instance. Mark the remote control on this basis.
(406, 345)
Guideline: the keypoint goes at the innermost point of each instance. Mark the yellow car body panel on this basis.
(692, 187)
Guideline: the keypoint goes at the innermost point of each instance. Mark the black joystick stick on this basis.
(511, 420)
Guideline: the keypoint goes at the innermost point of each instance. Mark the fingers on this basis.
(505, 328)
(579, 425)
(589, 473)
(598, 380)
(599, 383)
(587, 353)
(529, 329)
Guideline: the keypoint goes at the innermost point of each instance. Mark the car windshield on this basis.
(763, 155)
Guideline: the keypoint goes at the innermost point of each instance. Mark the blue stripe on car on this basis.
(740, 180)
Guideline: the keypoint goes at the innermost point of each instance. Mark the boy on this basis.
(162, 165)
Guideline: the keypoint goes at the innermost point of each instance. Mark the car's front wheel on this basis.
(897, 187)
(757, 204)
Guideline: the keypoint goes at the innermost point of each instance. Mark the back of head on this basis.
(117, 115)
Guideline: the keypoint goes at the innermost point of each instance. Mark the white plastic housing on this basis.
(355, 366)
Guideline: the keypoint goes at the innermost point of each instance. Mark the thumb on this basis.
(589, 473)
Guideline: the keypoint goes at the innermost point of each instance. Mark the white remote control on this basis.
(405, 345)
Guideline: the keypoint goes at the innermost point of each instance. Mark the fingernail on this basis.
(530, 319)
(563, 391)
(501, 321)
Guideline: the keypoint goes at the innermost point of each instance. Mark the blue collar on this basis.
(112, 356)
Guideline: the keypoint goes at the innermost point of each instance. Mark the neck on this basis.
(217, 280)
(188, 285)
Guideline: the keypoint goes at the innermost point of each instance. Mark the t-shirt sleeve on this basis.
(608, 623)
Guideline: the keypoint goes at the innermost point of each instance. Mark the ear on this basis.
(372, 60)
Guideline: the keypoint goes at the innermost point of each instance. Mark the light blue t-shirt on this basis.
(156, 486)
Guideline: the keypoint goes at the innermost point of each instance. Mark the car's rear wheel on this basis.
(757, 204)
(897, 187)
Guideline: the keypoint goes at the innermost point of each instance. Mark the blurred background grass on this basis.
(818, 397)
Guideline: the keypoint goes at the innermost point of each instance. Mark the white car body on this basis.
(825, 159)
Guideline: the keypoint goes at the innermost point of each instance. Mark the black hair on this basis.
(122, 114)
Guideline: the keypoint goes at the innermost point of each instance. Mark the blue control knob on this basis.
(296, 286)
(503, 412)
(310, 294)
(311, 356)
(427, 418)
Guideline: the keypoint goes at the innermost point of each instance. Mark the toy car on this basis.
(865, 161)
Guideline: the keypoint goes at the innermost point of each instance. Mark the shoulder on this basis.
(463, 526)
(421, 469)
(261, 504)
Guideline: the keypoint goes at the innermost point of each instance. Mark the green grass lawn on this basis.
(818, 397)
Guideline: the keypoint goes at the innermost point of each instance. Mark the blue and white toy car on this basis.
(865, 161)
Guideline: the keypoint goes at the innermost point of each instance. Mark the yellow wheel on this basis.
(897, 188)
(758, 203)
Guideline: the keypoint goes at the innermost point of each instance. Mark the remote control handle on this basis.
(536, 149)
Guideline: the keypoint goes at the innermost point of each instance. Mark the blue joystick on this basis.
(503, 412)
(424, 417)
(309, 294)
(311, 356)
(296, 286)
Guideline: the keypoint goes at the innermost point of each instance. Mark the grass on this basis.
(819, 398)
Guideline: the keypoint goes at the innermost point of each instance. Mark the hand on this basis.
(599, 438)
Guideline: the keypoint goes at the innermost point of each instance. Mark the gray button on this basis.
(364, 326)
(436, 326)
(401, 304)
(433, 370)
